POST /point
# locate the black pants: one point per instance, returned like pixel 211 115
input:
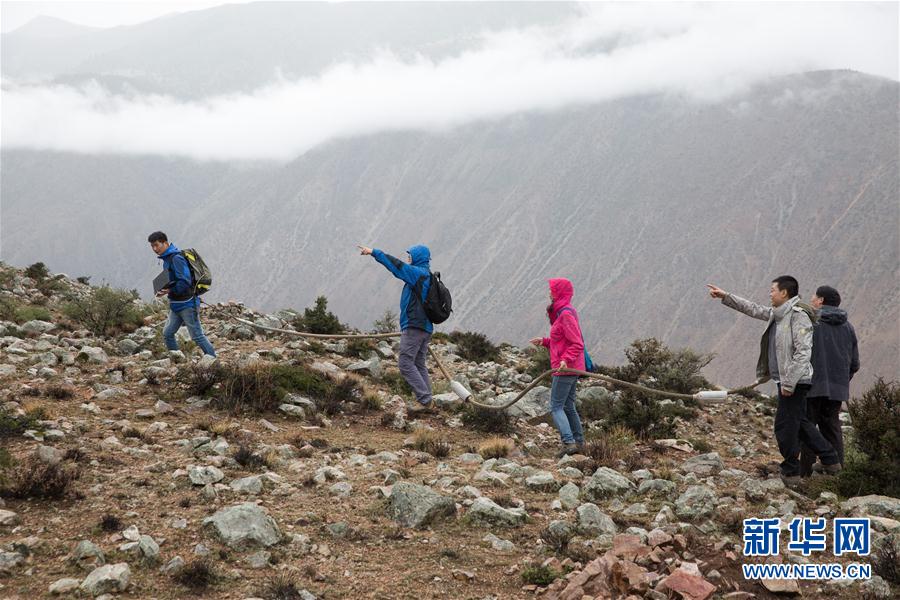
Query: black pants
pixel 826 415
pixel 793 427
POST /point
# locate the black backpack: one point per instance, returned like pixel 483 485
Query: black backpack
pixel 438 303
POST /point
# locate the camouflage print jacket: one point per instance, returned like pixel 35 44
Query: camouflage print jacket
pixel 793 344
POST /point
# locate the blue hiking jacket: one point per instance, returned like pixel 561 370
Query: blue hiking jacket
pixel 181 293
pixel 412 308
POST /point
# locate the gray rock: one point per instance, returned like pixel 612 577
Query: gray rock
pixel 66 585
pixel 292 410
pixel 173 566
pixel 485 511
pixel 414 505
pixel 88 555
pixel 302 401
pixel 534 404
pixel 561 529
pixel 568 496
pixel 149 550
pixel 8 518
pixel 876 587
pixel 753 489
pixel 37 326
pixel 542 481
pixel 9 561
pixel 205 475
pixel 872 505
pixel 498 544
pixel 244 526
pixel 342 489
pixel 247 485
pixel 696 502
pixel 605 483
pixel 662 487
pixel 372 367
pixel 93 355
pixel 703 465
pixel 128 346
pixel 259 560
pixel 107 579
pixel 590 520
pixel 7 370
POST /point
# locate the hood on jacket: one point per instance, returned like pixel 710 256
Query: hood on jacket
pixel 562 291
pixel 421 255
pixel 172 249
pixel 832 315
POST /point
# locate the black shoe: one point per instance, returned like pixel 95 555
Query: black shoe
pixel 832 469
pixel 790 481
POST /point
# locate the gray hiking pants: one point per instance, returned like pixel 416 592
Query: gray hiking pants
pixel 413 350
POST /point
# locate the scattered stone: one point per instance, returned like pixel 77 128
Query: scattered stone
pixel 604 483
pixel 500 545
pixel 704 465
pixel 485 511
pixel 8 518
pixel 205 475
pixel 689 586
pixel 592 521
pixel 88 555
pixel 107 579
pixel 244 526
pixel 696 502
pixel 568 496
pixel 542 482
pixel 414 505
pixel 64 586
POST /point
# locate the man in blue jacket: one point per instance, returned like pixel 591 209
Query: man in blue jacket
pixel 414 324
pixel 835 359
pixel 183 303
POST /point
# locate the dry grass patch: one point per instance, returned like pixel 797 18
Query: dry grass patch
pixel 496 447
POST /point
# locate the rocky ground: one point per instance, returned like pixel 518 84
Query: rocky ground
pixel 346 506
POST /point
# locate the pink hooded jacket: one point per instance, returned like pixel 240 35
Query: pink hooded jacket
pixel 565 341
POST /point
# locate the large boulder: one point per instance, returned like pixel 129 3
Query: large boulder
pixel 696 502
pixel 93 355
pixel 205 475
pixel 107 579
pixel 604 483
pixel 485 511
pixel 244 526
pixel 415 505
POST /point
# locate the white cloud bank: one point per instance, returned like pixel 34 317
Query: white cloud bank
pixel 704 51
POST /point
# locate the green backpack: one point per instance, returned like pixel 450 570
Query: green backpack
pixel 201 276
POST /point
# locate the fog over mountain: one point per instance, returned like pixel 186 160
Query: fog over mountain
pixel 641 187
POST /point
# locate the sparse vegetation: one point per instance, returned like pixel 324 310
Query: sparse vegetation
pixel 486 419
pixel 396 384
pixel 12 424
pixel 283 587
pixel 196 575
pixel 37 271
pixel 105 310
pixel 538 361
pixel 539 575
pixel 886 558
pixel 556 539
pixel 495 447
pixel 475 347
pixel 248 459
pixel 37 479
pixel 11 310
pixel 426 440
pixel 608 447
pixel 110 523
pixel 388 323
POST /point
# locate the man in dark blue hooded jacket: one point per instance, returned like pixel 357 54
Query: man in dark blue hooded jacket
pixel 415 326
pixel 835 359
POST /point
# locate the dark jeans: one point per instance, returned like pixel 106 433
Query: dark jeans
pixel 826 415
pixel 793 427
pixel 413 350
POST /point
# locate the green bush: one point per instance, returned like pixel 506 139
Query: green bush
pixel 105 310
pixel 539 575
pixel 652 364
pixel 10 310
pixel 38 271
pixel 396 384
pixel 486 419
pixel 872 458
pixel 360 348
pixel 388 323
pixel 475 347
pixel 12 424
pixel 318 319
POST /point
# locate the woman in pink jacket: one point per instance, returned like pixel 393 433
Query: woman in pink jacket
pixel 566 346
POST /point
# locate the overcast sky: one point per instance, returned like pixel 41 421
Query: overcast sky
pixel 705 52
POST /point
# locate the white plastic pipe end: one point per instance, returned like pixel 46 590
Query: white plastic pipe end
pixel 710 395
pixel 460 390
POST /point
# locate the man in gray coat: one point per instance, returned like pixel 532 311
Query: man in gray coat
pixel 835 359
pixel 784 356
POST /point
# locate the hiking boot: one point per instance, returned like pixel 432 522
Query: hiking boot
pixel 567 449
pixel 832 469
pixel 419 408
pixel 791 481
pixel 818 468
